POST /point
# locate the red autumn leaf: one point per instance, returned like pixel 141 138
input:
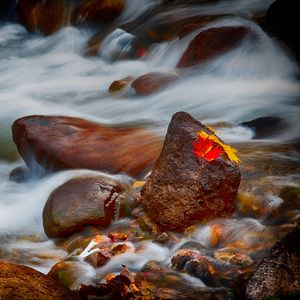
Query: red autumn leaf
pixel 207 149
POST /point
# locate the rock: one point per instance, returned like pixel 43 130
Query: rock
pixel 19 174
pixel 71 273
pixel 120 85
pixel 60 143
pixel 44 16
pixel 266 126
pixel 161 283
pixel 211 43
pixel 98 11
pixel 20 282
pixel 152 82
pixel 181 191
pixel 81 201
pixel 279 274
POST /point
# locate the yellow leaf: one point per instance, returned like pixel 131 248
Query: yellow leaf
pixel 230 151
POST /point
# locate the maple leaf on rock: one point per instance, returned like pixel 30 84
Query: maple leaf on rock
pixel 207 149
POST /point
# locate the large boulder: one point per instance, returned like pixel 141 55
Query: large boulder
pixel 98 11
pixel 60 143
pixel 81 201
pixel 211 43
pixel 45 17
pixel 20 282
pixel 278 276
pixel 153 82
pixel 182 189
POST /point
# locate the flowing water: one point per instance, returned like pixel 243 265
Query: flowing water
pixel 51 75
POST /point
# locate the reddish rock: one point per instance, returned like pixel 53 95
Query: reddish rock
pixel 152 82
pixel 181 191
pixel 99 11
pixel 60 143
pixel 20 282
pixel 211 43
pixel 90 200
pixel 46 16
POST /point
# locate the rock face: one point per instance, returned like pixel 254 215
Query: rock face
pixel 20 282
pixel 211 43
pixel 180 190
pixel 60 143
pixel 90 200
pixel 279 273
pixel 44 16
pixel 152 82
pixel 99 11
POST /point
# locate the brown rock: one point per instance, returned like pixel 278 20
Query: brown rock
pixel 99 11
pixel 59 143
pixel 152 82
pixel 180 190
pixel 120 85
pixel 90 200
pixel 44 16
pixel 211 43
pixel 20 282
pixel 71 273
pixel 279 273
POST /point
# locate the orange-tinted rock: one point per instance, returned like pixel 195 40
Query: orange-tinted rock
pixel 20 282
pixel 71 273
pixel 99 11
pixel 119 85
pixel 44 16
pixel 211 43
pixel 152 82
pixel 180 190
pixel 89 200
pixel 60 143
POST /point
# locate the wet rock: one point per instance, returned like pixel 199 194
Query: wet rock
pixel 211 43
pixel 98 11
pixel 90 200
pixel 161 283
pixel 19 174
pixel 44 16
pixel 279 273
pixel 120 85
pixel 60 143
pixel 234 257
pixel 179 192
pixel 152 82
pixel 20 282
pixel 71 273
pixel 266 126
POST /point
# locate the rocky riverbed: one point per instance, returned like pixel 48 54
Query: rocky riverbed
pixel 149 150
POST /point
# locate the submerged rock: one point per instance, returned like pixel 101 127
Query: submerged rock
pixel 152 82
pixel 266 126
pixel 60 143
pixel 98 11
pixel 211 43
pixel 46 16
pixel 20 282
pixel 120 85
pixel 181 191
pixel 279 273
pixel 81 201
